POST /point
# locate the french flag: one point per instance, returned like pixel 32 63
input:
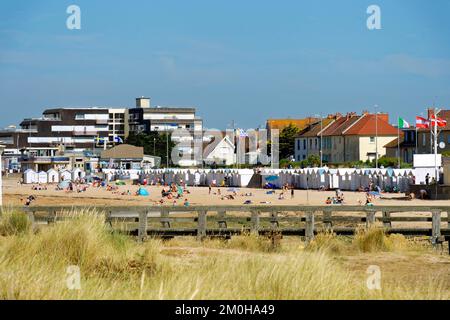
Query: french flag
pixel 422 123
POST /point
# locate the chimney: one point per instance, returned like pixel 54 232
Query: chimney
pixel 384 117
pixel 142 102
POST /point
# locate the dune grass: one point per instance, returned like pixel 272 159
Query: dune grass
pixel 13 223
pixel 33 265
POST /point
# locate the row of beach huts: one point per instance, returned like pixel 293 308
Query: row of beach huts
pixel 311 178
pixel 52 176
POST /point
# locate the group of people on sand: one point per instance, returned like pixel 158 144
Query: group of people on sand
pixel 174 192
pixel 38 187
pixel 337 199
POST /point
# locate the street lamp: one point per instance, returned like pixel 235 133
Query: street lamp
pixel 2 147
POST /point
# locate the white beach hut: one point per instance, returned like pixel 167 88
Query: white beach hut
pixel 42 177
pixel 78 174
pixel 52 176
pixel 334 178
pixel 65 175
pixel 30 176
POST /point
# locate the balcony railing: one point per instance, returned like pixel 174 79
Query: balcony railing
pixel 85 133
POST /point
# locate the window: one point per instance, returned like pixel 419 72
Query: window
pixel 372 139
pixel 304 144
pixel 310 143
pixel 79 116
pixel 424 140
pixel 315 143
pixel 448 138
pixel 298 144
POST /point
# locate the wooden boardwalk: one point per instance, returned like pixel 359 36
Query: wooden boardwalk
pixel 273 221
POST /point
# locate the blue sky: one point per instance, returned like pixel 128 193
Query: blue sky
pixel 234 60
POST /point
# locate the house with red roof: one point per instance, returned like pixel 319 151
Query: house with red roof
pixel 367 136
pixel 347 138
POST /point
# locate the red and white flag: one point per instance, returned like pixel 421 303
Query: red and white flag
pixel 439 121
pixel 422 123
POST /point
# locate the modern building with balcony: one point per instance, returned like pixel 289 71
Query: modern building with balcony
pixel 145 119
pixel 75 130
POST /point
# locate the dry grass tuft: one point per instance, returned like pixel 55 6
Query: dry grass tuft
pixel 13 223
pixel 371 240
pixel 251 242
pixel 329 242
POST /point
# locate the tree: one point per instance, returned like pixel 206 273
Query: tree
pixel 312 161
pixel 287 140
pixel 154 144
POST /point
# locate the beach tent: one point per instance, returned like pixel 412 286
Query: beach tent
pixel 30 176
pixel 65 175
pixel 52 176
pixel 143 192
pixel 42 177
pixel 120 183
pixel 64 184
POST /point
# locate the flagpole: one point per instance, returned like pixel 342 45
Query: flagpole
pixel 431 132
pixel 416 139
pixel 398 142
pixel 436 171
pixel 376 136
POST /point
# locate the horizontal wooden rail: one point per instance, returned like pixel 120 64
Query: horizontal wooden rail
pixel 305 221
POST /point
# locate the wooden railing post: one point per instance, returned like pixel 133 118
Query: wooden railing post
pixel 165 223
pixel 221 219
pixel 309 230
pixel 387 215
pixel 370 218
pixel 274 222
pixel 328 224
pixel 436 227
pixel 255 222
pixel 448 221
pixel 108 219
pixel 201 227
pixel 143 223
pixel 31 218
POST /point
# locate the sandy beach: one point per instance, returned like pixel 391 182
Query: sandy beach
pixel 15 194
